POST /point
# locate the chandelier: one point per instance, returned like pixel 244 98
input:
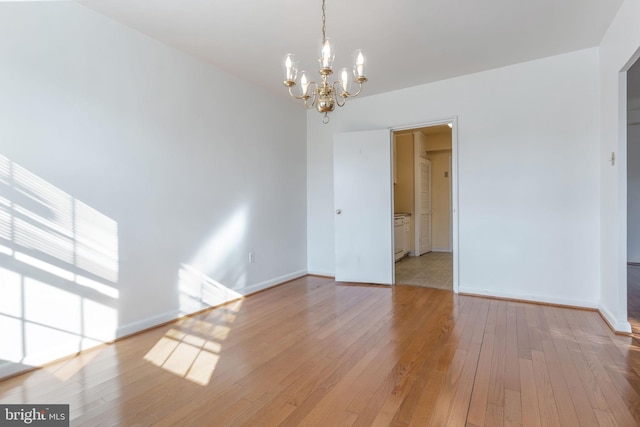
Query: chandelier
pixel 325 95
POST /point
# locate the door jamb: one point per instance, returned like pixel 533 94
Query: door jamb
pixel 623 178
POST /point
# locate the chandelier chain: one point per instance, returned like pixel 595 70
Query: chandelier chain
pixel 324 23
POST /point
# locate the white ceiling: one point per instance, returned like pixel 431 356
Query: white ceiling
pixel 407 42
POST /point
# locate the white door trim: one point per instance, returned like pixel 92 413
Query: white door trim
pixel 454 186
pixel 622 324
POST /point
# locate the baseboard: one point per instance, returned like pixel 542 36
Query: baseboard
pixel 270 283
pixel 147 323
pixel 322 273
pixel 527 297
pixel 441 250
pixel 9 369
pixel 170 316
pixel 618 326
pixel 322 276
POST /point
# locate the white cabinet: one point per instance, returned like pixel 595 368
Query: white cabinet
pixel 398 238
pixel 402 235
pixel 406 225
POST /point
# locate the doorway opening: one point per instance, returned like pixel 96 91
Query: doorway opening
pixel 633 197
pixel 423 205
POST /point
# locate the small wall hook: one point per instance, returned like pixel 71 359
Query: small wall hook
pixel 613 158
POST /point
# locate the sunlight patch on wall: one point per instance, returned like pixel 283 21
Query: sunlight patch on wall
pixel 39 216
pixel 11 348
pixel 218 257
pixel 198 291
pixel 96 242
pixel 58 270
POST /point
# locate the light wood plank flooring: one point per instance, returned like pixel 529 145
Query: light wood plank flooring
pixel 316 352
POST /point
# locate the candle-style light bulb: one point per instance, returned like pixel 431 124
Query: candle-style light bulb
pixel 345 80
pixel 359 64
pixel 304 83
pixel 327 53
pixel 290 68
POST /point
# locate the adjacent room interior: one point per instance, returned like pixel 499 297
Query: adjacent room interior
pixel 423 222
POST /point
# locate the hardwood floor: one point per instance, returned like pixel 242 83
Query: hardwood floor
pixel 313 352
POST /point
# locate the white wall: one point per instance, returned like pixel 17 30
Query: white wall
pixel 194 167
pixel 617 50
pixel 528 181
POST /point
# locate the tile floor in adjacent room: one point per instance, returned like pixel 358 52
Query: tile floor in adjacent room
pixel 432 270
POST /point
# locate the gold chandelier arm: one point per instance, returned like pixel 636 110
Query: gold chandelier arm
pixel 338 94
pixel 351 95
pixel 296 96
pixel 313 89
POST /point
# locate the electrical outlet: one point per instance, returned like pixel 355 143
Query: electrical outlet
pixel 252 257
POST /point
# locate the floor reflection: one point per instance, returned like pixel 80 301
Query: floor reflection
pixel 314 352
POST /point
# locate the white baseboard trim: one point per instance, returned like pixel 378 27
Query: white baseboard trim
pixel 150 322
pixel 528 297
pixel 441 250
pixel 147 323
pixel 622 326
pixel 322 273
pixel 10 368
pixel 270 283
pixel 618 325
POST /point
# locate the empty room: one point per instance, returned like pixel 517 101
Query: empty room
pixel 419 213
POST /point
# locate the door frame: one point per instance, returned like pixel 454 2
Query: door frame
pixel 621 161
pixel 454 186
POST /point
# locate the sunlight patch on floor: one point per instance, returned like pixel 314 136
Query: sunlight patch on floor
pixel 193 356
